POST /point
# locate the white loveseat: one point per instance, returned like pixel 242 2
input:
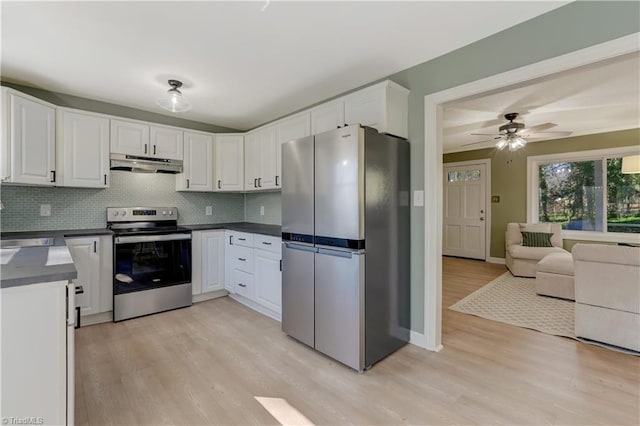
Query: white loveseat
pixel 522 261
pixel 607 280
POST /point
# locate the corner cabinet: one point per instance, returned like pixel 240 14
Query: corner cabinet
pixel 229 162
pixel 28 140
pixel 83 149
pixel 198 163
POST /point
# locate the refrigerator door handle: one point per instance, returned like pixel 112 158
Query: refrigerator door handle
pixel 301 247
pixel 337 253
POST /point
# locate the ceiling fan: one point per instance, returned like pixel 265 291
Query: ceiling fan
pixel 514 135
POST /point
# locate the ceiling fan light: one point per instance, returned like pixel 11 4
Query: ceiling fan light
pixel 501 144
pixel 173 100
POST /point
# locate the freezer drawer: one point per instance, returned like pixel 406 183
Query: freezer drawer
pixel 339 306
pixel 297 292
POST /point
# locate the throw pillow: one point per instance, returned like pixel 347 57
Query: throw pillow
pixel 536 239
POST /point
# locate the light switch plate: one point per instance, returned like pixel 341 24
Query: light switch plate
pixel 45 209
pixel 208 210
pixel 418 198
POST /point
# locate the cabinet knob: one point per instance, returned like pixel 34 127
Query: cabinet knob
pixel 242 285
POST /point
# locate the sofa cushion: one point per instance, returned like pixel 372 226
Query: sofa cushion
pixel 533 253
pixel 557 263
pixel 536 239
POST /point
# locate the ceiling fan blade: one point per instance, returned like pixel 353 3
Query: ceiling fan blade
pixel 547 134
pixel 476 143
pixel 484 134
pixel 537 128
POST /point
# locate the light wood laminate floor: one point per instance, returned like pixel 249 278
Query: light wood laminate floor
pixel 206 364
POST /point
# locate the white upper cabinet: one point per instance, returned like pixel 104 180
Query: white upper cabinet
pixel 384 107
pixel 251 161
pixel 298 126
pixel 268 148
pixel 166 142
pixel 198 163
pixel 130 138
pixel 229 161
pixel 83 149
pixel 260 159
pixel 28 140
pixel 327 117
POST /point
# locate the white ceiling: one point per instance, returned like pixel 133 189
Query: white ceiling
pixel 241 67
pixel 602 97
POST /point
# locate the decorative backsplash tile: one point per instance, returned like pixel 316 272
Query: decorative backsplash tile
pixel 272 209
pixel 77 208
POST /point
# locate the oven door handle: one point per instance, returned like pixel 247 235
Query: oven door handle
pixel 151 238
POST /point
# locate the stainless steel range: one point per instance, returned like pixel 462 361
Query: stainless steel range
pixel 151 261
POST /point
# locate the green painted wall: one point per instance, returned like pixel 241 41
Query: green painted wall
pixel 70 101
pixel 509 175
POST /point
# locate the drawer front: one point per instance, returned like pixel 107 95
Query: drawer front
pixel 241 258
pixel 268 243
pixel 241 239
pixel 243 283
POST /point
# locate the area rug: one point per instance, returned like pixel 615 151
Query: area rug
pixel 513 300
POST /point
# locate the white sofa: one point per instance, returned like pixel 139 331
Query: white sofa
pixel 522 261
pixel 607 280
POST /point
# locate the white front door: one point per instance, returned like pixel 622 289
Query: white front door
pixel 464 232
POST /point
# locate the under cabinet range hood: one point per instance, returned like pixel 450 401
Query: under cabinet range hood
pixel 136 164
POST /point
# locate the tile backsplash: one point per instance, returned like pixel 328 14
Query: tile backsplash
pixel 77 208
pixel 271 203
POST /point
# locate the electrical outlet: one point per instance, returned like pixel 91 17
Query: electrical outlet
pixel 261 210
pixel 45 209
pixel 418 198
pixel 208 210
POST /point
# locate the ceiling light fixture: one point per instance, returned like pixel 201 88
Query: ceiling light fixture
pixel 511 140
pixel 173 100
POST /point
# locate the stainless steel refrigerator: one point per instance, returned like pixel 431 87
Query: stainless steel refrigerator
pixel 345 230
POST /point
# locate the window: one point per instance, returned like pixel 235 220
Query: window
pixel 585 192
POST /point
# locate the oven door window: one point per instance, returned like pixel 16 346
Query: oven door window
pixel 146 265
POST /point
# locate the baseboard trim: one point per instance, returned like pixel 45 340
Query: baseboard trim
pixel 497 260
pixel 208 296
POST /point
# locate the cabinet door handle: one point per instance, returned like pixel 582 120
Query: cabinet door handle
pixel 53 175
pixel 242 259
pixel 277 184
pixel 259 182
pixel 145 148
pixel 154 150
pixel 187 183
pixel 219 184
pixel 230 237
pixel 266 243
pixel 95 246
pixel 255 183
pixel 280 265
pixel 105 179
pixel 242 285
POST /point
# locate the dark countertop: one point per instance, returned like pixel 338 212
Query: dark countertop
pixel 31 265
pixel 61 234
pixel 253 228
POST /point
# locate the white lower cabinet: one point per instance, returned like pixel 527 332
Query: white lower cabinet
pixel 253 271
pixel 92 257
pixel 208 261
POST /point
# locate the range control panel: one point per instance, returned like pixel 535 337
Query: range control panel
pixel 129 214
